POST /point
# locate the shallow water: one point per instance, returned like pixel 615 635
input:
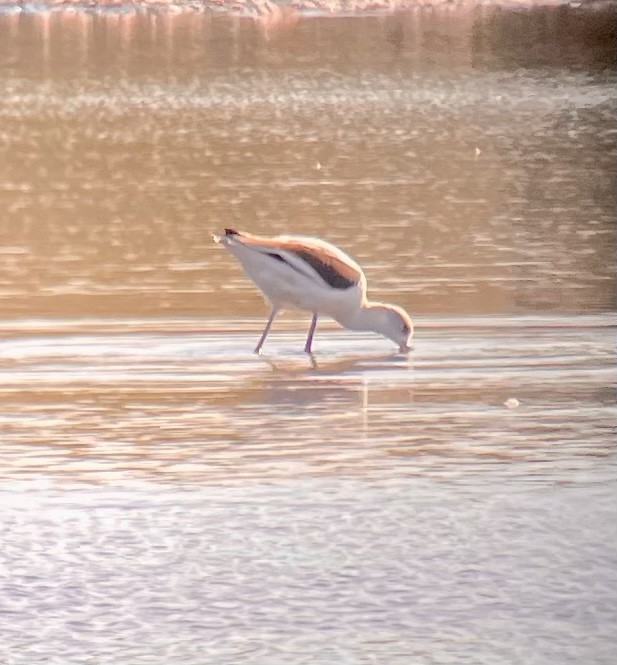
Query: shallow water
pixel 166 495
pixel 173 404
pixel 169 496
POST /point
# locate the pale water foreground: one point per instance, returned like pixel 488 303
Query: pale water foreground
pixel 168 497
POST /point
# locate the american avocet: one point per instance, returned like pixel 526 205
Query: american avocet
pixel 308 273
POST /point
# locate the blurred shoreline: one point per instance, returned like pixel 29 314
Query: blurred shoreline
pixel 257 8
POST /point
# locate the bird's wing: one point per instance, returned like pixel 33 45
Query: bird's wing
pixel 333 266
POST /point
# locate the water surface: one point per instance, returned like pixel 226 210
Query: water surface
pixel 166 495
pixel 462 177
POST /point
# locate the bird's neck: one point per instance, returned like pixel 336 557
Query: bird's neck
pixel 370 316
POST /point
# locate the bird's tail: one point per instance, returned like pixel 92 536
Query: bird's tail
pixel 224 239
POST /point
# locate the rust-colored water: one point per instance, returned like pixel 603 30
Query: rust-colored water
pixel 169 497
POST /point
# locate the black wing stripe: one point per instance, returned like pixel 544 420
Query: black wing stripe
pixel 278 257
pixel 327 272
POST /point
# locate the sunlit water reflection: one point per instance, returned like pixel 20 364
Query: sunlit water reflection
pixel 454 505
pixel 463 179
pixel 168 497
pixel 179 405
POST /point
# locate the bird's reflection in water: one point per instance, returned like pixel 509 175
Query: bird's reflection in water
pixel 311 363
pixel 334 388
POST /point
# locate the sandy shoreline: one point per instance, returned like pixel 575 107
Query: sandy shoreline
pixel 265 7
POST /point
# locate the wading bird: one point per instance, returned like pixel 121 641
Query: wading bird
pixel 310 274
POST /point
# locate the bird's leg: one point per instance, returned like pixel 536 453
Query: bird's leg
pixel 311 332
pixel 264 334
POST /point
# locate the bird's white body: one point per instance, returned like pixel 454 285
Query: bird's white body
pixel 301 288
pixel 311 274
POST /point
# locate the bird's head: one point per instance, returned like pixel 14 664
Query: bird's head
pixel 394 323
